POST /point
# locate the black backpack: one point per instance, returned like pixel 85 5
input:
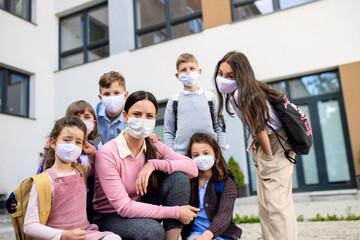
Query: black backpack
pixel 208 96
pixel 296 126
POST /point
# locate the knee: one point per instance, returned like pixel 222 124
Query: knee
pixel 180 178
pixel 157 232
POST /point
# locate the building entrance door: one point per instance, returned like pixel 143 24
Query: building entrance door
pixel 329 164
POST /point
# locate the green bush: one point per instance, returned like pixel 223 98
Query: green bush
pixel 233 166
pixel 246 219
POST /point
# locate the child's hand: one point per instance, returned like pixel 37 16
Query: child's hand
pixel 187 214
pixel 11 205
pixel 47 145
pixel 207 235
pixel 75 234
pixel 88 149
pixel 154 138
pixel 142 179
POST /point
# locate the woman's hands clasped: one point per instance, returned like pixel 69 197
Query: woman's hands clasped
pixel 142 179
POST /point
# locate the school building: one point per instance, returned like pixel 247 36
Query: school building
pixel 53 52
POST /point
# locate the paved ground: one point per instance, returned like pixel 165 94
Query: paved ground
pixel 308 204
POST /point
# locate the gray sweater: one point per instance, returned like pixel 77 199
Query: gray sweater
pixel 193 115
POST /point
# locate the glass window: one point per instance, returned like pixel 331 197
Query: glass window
pixel 334 143
pixel 159 127
pixel 149 12
pixel 72 60
pixel 291 3
pixel 14 93
pixel 314 85
pixel 183 7
pixel 243 10
pixel 99 25
pixel 186 28
pixel 21 8
pixel 152 38
pixel 84 36
pixel 98 53
pixel 17 94
pixel 280 86
pixel 71 33
pixel 160 20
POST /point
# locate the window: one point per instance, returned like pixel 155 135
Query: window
pixel 84 36
pixel 14 93
pixel 21 8
pixel 159 127
pixel 242 9
pixel 160 20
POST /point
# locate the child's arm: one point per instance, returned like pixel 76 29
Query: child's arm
pixel 224 214
pixel 264 142
pixel 173 162
pixel 90 151
pixel 32 226
pixel 169 124
pixel 11 203
pixel 218 130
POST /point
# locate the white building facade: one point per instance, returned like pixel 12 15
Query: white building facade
pixel 56 56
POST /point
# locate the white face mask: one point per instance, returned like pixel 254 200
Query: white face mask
pixel 189 79
pixel 113 104
pixel 225 85
pixel 68 152
pixel 89 127
pixel 139 127
pixel 204 163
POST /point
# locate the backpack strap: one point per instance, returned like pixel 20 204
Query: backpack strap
pixel 286 151
pixel 81 169
pixel 175 98
pixel 209 97
pixel 42 183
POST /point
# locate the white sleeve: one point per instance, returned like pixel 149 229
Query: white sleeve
pixel 32 226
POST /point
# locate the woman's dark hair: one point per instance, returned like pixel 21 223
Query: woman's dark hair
pixel 252 94
pixel 219 169
pixel 60 124
pixel 79 107
pixel 151 151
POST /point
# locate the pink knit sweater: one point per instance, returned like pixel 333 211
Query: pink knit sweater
pixel 116 176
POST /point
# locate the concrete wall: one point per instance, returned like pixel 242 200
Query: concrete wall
pixel 32 49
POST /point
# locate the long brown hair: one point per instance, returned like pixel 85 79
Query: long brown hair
pixel 151 151
pixel 60 124
pixel 252 94
pixel 79 107
pixel 219 169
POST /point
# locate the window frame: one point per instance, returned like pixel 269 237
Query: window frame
pixel 7 9
pixel 86 46
pixel 3 107
pixel 168 24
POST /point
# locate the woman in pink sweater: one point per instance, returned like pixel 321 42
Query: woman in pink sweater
pixel 138 182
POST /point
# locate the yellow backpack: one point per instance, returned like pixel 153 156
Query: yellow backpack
pixel 22 194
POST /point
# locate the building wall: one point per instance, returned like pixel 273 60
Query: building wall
pixel 32 49
pixel 292 42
